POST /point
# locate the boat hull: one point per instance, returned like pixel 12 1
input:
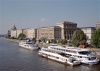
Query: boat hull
pixel 91 62
pixel 57 59
pixel 28 47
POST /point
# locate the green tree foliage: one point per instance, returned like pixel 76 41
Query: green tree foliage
pixel 86 45
pixel 34 39
pixel 43 39
pixel 13 37
pixel 21 36
pixel 62 41
pixel 78 37
pixel 53 41
pixel 96 38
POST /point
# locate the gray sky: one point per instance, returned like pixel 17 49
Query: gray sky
pixel 34 13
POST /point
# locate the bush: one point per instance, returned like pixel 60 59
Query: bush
pixel 13 37
pixel 86 45
pixel 53 41
pixel 43 39
pixel 34 39
pixel 62 41
pixel 21 36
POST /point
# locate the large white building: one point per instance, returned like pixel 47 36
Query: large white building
pixel 88 31
pixel 67 29
pixel 51 32
pixel 15 33
pixel 29 32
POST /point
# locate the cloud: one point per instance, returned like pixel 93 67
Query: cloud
pixel 44 20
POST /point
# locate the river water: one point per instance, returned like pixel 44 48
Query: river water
pixel 15 58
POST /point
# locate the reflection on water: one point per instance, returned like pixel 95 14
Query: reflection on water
pixel 15 58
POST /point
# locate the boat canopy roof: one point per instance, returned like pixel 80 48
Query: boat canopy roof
pixel 77 49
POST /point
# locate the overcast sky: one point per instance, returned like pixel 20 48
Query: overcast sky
pixel 37 13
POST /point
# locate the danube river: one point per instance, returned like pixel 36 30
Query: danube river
pixel 15 58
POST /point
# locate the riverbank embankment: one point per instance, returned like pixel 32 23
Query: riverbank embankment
pixel 40 45
pixel 13 40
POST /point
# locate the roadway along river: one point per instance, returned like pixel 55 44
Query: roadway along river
pixel 15 58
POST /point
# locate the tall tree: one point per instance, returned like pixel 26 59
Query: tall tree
pixel 78 37
pixel 96 38
pixel 21 36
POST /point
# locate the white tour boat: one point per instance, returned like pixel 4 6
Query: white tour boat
pixel 28 45
pixel 58 57
pixel 83 55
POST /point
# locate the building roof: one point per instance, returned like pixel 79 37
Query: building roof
pixel 49 27
pixel 87 27
pixel 14 28
pixel 71 48
pixel 98 22
pixel 66 22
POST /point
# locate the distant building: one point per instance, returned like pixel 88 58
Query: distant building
pixel 9 33
pixel 88 31
pixel 14 28
pixel 63 30
pixel 29 32
pixel 52 32
pixel 15 33
pixel 98 25
pixel 67 29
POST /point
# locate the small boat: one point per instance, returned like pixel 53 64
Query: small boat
pixel 28 45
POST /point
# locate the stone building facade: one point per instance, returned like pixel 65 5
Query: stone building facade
pixel 67 29
pixel 53 32
pixel 30 33
pixel 98 25
pixel 88 31
pixel 63 30
pixel 15 33
pixel 9 31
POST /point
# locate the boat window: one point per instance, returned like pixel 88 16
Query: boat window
pixel 71 51
pixel 80 56
pixel 67 51
pixel 53 45
pixel 84 52
pixel 57 57
pixel 92 58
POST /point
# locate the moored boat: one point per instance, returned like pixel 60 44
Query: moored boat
pixel 83 55
pixel 58 57
pixel 28 45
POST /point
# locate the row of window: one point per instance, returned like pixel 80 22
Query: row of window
pixel 70 26
pixel 69 32
pixel 64 50
pixel 50 55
